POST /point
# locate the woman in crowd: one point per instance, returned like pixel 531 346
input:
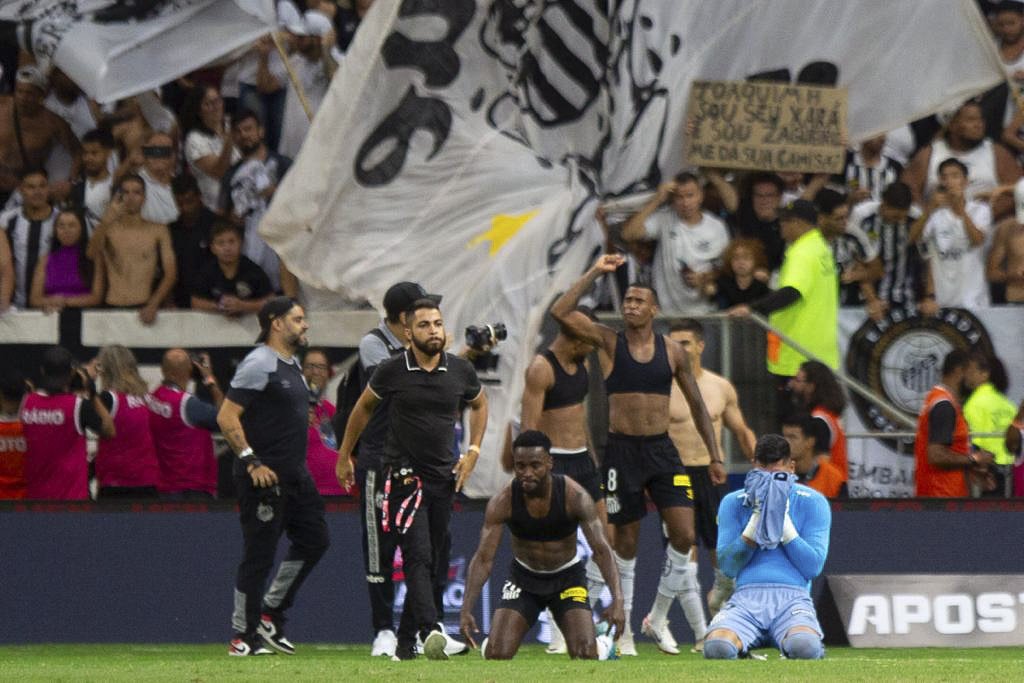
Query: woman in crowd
pixel 208 146
pixel 66 277
pixel 126 464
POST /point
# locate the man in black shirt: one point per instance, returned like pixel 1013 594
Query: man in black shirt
pixel 233 284
pixel 425 388
pixel 190 235
pixel 265 420
pixel 385 341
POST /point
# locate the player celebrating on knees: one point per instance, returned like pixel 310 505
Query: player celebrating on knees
pixel 773 538
pixel 639 367
pixel 543 512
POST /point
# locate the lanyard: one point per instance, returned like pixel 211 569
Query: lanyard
pixel 415 497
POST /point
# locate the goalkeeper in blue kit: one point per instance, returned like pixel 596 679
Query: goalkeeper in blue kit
pixel 773 539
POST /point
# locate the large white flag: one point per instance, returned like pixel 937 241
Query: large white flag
pixel 463 142
pixel 116 49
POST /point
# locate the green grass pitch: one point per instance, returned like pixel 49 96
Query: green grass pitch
pixel 196 663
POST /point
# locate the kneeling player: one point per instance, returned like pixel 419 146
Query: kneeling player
pixel 543 512
pixel 773 539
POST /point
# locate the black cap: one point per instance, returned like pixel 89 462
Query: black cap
pixel 1008 6
pixel 800 209
pixel 274 308
pixel 402 295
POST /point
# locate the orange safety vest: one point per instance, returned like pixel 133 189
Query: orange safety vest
pixel 837 444
pixel 938 482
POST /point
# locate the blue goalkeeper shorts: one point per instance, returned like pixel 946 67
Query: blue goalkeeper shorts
pixel 762 614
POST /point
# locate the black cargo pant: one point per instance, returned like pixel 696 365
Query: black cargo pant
pixel 295 508
pixel 426 545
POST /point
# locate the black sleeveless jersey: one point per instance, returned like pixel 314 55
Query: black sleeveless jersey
pixel 554 526
pixel 568 390
pixel 629 376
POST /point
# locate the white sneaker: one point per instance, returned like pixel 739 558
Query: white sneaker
pixel 434 646
pixel 452 647
pixel 625 645
pixel 557 645
pixel 661 636
pixel 384 644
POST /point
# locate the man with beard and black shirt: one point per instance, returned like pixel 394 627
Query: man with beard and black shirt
pixel 265 421
pixel 385 341
pixel 190 235
pixel 425 388
pixel 248 187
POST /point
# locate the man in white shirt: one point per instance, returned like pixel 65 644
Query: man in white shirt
pixel 955 231
pixel 690 242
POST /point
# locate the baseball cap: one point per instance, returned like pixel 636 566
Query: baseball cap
pixel 274 308
pixel 800 209
pixel 400 296
pixel 33 76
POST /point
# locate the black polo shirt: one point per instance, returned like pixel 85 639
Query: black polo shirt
pixel 275 397
pixel 422 410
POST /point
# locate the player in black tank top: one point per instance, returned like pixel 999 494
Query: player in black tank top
pixel 546 572
pixel 554 526
pixel 640 459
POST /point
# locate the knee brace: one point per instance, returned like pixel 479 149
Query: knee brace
pixel 803 645
pixel 719 648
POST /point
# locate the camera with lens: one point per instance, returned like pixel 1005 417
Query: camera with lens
pixel 484 337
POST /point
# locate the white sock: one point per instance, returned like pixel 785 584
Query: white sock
pixel 595 582
pixel 689 600
pixel 671 584
pixel 627 569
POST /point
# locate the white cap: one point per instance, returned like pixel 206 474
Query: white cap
pixel 1018 199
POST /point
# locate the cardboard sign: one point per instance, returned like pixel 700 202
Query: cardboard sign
pixel 767 126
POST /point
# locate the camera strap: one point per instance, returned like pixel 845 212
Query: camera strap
pixel 415 498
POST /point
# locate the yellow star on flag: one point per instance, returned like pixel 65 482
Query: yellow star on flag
pixel 503 228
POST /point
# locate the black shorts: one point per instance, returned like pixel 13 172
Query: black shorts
pixel 529 592
pixel 706 498
pixel 581 468
pixel 633 464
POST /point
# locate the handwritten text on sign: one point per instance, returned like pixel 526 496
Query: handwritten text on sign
pixel 767 126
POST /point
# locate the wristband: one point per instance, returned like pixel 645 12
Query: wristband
pixel 473 449
pixel 249 458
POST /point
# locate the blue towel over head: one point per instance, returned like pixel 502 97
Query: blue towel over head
pixel 771 490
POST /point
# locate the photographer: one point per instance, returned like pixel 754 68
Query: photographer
pixel 425 388
pixel 54 419
pixel 181 424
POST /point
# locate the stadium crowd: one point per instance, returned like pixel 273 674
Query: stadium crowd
pixel 153 203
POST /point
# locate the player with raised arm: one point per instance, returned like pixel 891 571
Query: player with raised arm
pixel 639 368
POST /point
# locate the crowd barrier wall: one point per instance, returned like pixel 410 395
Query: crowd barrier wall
pixel 163 572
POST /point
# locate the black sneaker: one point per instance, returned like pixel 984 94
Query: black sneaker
pixel 247 646
pixel 271 629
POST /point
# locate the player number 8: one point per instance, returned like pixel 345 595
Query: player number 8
pixel 612 479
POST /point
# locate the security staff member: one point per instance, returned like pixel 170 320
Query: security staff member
pixel 265 420
pixel 385 341
pixel 425 388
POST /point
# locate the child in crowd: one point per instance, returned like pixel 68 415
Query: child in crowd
pixel 66 277
pixel 743 276
pixel 234 284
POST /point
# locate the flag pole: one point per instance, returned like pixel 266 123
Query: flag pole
pixel 292 75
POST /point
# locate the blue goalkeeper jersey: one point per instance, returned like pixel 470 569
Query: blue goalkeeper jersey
pixel 793 564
